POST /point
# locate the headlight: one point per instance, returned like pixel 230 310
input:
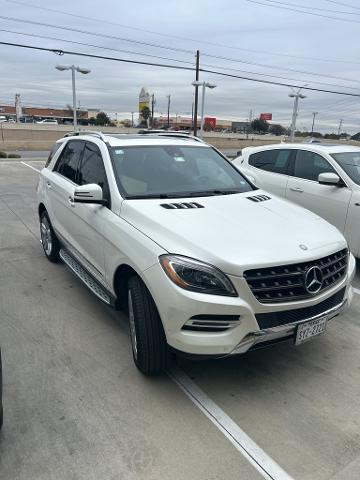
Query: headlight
pixel 196 276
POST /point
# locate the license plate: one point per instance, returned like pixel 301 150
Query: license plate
pixel 310 329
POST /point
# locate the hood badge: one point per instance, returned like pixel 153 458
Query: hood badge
pixel 303 247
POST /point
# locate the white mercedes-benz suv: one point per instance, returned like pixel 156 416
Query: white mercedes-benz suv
pixel 205 263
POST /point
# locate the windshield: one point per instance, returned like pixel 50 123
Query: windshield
pixel 172 171
pixel 350 163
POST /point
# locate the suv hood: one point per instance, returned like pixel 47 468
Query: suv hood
pixel 233 232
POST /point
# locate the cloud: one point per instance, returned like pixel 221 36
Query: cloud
pixel 114 87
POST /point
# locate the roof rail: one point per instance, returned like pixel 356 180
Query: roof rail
pixel 87 132
pixel 185 136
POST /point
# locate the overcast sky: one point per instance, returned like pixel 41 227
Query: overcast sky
pixel 264 37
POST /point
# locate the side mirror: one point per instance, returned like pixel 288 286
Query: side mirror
pixel 329 178
pixel 91 193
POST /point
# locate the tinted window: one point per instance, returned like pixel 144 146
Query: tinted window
pixel 175 170
pixel 92 168
pixel 54 149
pixel 69 161
pixel 350 162
pixel 309 165
pixel 276 161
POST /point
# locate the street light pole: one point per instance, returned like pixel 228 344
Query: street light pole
pixel 197 74
pixel 73 68
pixel 168 111
pixel 312 126
pixel 296 97
pixel 204 85
pixel 74 96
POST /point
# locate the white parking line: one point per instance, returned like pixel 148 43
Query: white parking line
pixel 30 166
pixel 356 290
pixel 264 464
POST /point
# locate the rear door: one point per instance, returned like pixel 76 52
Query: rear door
pixel 328 201
pixel 60 189
pixel 270 169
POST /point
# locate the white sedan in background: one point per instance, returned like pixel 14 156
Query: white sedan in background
pixel 322 178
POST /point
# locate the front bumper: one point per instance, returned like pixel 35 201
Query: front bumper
pixel 176 306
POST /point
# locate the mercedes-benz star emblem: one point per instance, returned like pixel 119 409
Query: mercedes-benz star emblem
pixel 313 280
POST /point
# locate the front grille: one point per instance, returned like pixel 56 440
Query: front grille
pixel 211 323
pixel 275 319
pixel 287 282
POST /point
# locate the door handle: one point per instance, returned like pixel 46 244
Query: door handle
pixel 296 189
pixel 71 202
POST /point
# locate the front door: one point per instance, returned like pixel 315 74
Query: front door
pixel 329 201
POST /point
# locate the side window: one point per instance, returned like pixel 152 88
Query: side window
pixel 92 169
pixel 68 163
pixel 54 149
pixel 309 165
pixel 276 161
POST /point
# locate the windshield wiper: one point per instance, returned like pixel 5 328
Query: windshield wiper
pixel 208 193
pixel 203 193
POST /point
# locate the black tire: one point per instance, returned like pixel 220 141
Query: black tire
pixel 50 243
pixel 150 349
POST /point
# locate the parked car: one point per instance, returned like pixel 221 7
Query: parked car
pixel 322 178
pixel 3 119
pixel 206 264
pixel 47 121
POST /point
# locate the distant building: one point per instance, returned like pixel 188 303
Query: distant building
pixel 240 127
pixel 36 113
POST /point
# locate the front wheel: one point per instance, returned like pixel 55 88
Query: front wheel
pixel 49 240
pixel 149 346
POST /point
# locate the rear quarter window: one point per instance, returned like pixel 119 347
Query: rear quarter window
pixel 276 161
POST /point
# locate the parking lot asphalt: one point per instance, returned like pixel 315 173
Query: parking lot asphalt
pixel 77 408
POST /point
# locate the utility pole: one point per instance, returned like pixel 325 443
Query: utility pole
pixel 340 125
pixel 296 97
pixel 132 119
pixel 312 126
pixel 168 111
pixel 153 102
pixel 196 101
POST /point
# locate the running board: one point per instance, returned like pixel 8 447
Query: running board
pixel 85 277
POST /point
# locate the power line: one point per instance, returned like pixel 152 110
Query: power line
pixel 277 67
pixel 197 41
pixel 175 49
pixel 277 76
pixel 175 67
pixel 46 37
pixel 343 4
pixel 306 7
pixel 303 11
pixel 112 37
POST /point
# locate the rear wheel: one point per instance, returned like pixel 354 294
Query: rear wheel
pixel 49 240
pixel 149 346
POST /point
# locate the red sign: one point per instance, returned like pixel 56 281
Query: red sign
pixel 211 121
pixel 265 116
